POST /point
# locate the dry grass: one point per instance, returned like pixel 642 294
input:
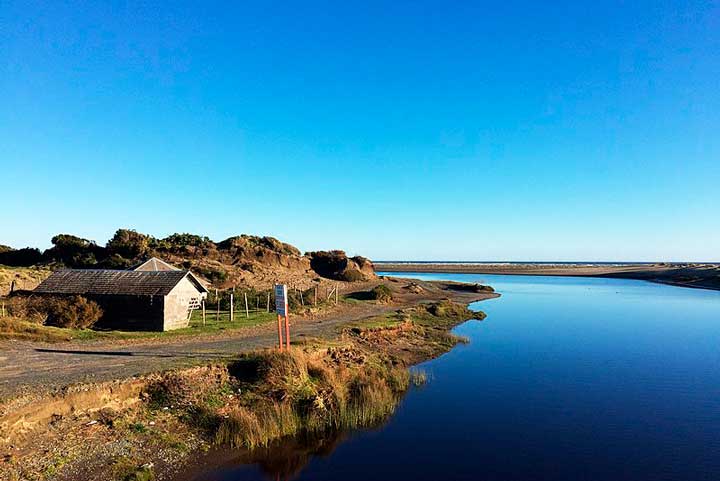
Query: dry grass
pixel 25 277
pixel 306 395
pixel 269 395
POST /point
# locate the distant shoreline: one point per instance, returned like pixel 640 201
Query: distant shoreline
pixel 699 276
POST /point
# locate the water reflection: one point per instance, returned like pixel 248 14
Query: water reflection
pixel 282 460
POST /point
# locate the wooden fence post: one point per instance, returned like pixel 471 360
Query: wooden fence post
pixel 247 311
pixel 217 313
pixel 268 302
pixel 232 307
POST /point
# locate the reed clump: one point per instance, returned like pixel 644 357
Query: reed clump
pixel 269 395
pixel 297 392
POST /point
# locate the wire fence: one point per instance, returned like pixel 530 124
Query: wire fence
pixel 247 301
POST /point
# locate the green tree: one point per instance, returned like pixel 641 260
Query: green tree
pixel 128 244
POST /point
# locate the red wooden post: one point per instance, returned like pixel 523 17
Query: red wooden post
pixel 287 331
pixel 280 339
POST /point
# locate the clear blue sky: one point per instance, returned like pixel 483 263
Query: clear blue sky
pixel 397 130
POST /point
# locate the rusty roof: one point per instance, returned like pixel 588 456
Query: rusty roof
pixel 112 282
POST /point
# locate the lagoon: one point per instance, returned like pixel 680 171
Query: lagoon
pixel 567 378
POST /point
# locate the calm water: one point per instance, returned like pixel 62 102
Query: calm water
pixel 567 379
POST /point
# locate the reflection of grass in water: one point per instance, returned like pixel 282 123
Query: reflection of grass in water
pixel 287 458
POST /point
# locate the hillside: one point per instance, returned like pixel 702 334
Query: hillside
pixel 24 277
pixel 244 260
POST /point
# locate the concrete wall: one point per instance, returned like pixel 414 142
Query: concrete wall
pixel 177 303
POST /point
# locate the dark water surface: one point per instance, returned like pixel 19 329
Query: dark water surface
pixel 567 379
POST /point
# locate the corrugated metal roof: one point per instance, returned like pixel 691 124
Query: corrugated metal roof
pixel 109 282
pixel 155 264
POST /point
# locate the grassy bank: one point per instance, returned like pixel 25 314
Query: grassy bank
pixel 320 386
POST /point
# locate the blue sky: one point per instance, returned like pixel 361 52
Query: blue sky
pixel 397 130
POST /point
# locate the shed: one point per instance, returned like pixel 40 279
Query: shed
pixel 133 300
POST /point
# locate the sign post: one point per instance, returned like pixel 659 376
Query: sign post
pixel 281 307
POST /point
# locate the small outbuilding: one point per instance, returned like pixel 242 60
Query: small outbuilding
pixel 157 300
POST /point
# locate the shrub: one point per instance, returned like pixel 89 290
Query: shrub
pixel 115 261
pixel 175 241
pixel 453 310
pixel 328 264
pixel 381 293
pixel 352 275
pixel 74 312
pixel 74 251
pixel 128 244
pixel 214 275
pixel 25 257
pixel 254 242
pixel 464 287
pixel 31 309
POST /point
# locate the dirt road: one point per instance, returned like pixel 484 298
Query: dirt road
pixel 31 366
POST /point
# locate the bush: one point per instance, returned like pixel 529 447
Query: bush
pixel 336 265
pixel 453 310
pixel 74 251
pixel 129 244
pixel 328 264
pixel 74 312
pixel 464 287
pixel 352 275
pixel 214 275
pixel 25 257
pixel 115 261
pixel 30 308
pixel 176 241
pixel 381 293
